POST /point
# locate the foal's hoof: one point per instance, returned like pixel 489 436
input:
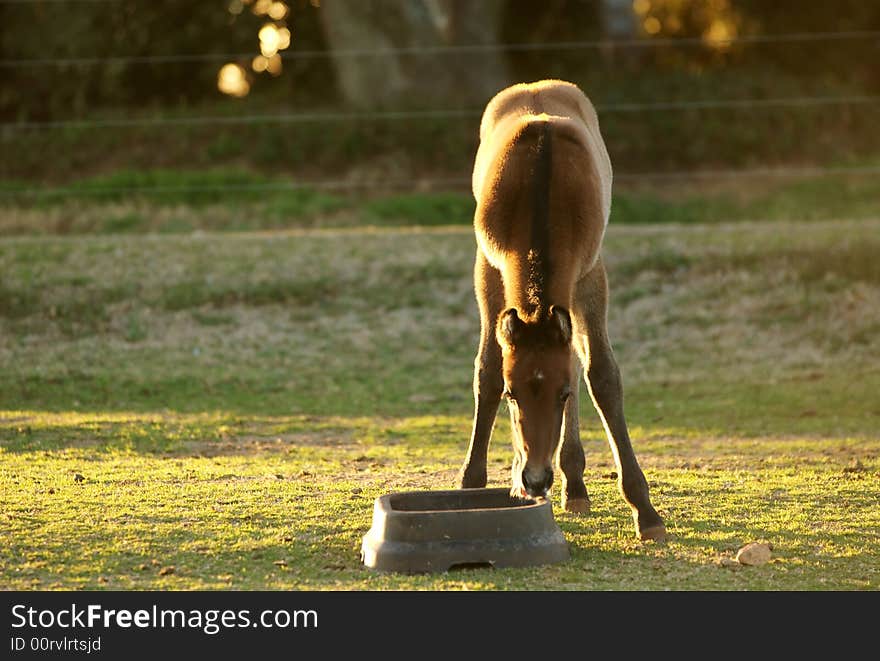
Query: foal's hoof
pixel 656 532
pixel 576 505
pixel 649 525
pixel 518 493
pixel 473 479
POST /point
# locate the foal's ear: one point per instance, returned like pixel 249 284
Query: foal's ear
pixel 509 328
pixel 561 320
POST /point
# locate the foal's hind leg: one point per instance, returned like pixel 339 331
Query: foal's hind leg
pixel 488 380
pixel 571 452
pixel 603 379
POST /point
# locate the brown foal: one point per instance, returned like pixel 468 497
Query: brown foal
pixel 542 182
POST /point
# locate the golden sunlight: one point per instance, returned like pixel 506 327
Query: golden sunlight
pixel 273 39
pixel 277 11
pixel 716 21
pixel 273 65
pixel 283 38
pixel 260 63
pixel 641 7
pixel 232 80
pixel 270 40
pixel 719 33
pixel 652 25
pixel 261 7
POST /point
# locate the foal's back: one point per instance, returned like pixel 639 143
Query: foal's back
pixel 552 121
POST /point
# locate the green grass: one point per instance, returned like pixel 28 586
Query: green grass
pixel 187 201
pixel 802 198
pixel 234 402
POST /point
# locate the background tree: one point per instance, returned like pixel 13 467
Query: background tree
pixel 375 78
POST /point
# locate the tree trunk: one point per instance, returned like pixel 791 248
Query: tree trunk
pixel 619 22
pixel 618 19
pixel 389 53
pixel 481 73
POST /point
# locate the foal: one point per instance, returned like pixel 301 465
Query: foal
pixel 542 182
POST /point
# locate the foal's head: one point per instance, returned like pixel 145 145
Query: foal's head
pixel 537 383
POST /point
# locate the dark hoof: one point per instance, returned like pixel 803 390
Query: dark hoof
pixel 655 532
pixel 576 505
pixel 649 524
pixel 471 479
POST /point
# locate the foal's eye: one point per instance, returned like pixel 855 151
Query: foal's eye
pixel 564 395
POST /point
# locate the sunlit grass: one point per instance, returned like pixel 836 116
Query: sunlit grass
pixel 283 503
pixel 230 405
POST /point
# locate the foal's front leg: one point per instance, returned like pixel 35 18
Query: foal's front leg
pixel 488 379
pixel 571 452
pixel 606 390
pixel 488 386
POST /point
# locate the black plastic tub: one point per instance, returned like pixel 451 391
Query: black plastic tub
pixel 435 531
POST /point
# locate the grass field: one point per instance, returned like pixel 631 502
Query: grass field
pixel 219 410
pixel 175 201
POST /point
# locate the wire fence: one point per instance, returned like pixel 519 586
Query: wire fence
pixel 394 115
pixel 797 102
pixel 465 49
pixel 426 184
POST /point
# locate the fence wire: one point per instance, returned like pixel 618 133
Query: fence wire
pixel 465 49
pixel 423 184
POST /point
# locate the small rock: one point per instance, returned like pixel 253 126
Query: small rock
pixel 142 567
pixel 279 476
pixel 727 562
pixel 103 579
pixel 51 491
pixel 280 563
pixel 287 538
pixel 78 478
pixel 754 553
pixel 165 571
pixel 357 490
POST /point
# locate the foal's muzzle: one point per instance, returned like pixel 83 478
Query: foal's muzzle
pixel 537 482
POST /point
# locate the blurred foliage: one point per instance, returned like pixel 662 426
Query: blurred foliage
pixel 572 20
pixel 642 141
pixel 68 31
pixel 58 30
pixel 379 151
